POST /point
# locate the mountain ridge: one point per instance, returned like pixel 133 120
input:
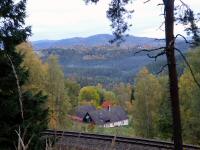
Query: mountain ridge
pixel 94 60
pixel 94 41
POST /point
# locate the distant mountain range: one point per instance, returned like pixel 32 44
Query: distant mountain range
pixel 95 60
pixel 95 41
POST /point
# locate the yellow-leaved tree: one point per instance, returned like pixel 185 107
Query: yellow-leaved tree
pixel 189 98
pixel 49 78
pixel 147 98
pixel 58 100
pixel 36 68
pixel 89 95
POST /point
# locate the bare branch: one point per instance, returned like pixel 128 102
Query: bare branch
pixel 18 85
pixel 25 131
pixel 21 142
pixel 29 141
pixel 92 1
pixel 187 63
pixel 157 55
pixel 149 50
pixel 162 68
pixel 147 1
pixel 160 4
pixel 186 41
pixel 184 4
pixel 160 27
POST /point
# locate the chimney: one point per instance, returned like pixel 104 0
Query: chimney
pixel 109 107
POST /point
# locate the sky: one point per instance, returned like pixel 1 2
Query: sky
pixel 60 19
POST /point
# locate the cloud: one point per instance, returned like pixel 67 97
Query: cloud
pixel 63 18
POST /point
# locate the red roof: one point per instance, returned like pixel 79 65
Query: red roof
pixel 75 118
pixel 106 104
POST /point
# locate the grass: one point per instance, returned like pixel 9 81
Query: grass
pixel 127 131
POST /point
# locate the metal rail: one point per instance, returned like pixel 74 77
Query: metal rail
pixel 117 139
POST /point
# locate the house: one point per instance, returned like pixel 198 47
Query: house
pixel 110 117
pixel 81 111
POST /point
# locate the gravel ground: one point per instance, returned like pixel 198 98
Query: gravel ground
pixel 91 144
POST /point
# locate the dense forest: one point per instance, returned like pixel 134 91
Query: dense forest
pixel 149 111
pixel 98 63
pixel 41 89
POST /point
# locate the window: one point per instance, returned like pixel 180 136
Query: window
pixel 107 120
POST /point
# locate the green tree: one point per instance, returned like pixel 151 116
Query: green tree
pixel 72 89
pixel 123 94
pixel 106 95
pixel 89 94
pixel 190 104
pixel 164 111
pixel 36 68
pixel 189 19
pixel 110 96
pixel 58 100
pixel 101 91
pixel 193 57
pixel 18 109
pixel 35 118
pixel 147 98
pixel 190 108
pixel 118 13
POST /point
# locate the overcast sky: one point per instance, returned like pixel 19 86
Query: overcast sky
pixel 59 19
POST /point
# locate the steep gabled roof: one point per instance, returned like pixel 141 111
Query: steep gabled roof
pixel 103 116
pixel 82 110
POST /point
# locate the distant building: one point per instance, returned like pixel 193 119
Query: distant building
pixel 107 117
pixel 110 117
pixel 82 110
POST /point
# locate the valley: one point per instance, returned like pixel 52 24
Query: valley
pixel 94 60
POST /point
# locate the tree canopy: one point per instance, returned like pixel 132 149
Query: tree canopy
pixel 20 110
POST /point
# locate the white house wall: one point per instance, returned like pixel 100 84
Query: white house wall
pixel 116 124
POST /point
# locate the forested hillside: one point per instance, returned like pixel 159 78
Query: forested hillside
pixel 145 101
pixel 94 60
pixel 109 84
pixel 95 41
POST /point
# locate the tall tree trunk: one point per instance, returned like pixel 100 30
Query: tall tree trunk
pixel 173 80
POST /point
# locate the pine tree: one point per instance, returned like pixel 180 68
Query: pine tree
pixel 30 117
pixel 117 13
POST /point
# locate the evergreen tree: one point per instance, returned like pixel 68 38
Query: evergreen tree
pixel 30 117
pixel 189 19
pixel 164 113
pixel 35 118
